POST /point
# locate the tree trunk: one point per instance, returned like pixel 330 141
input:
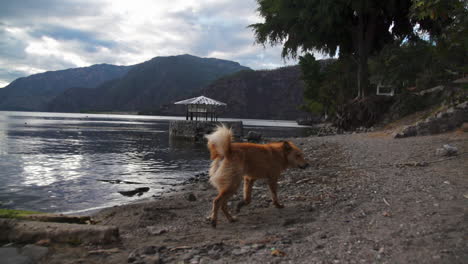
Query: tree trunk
pixel 362 59
pixel 366 34
pixel 363 79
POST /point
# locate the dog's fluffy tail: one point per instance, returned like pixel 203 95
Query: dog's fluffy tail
pixel 219 142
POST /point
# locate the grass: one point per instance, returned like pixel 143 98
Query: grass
pixel 10 213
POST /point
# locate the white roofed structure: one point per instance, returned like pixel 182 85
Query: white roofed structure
pixel 202 107
pixel 200 100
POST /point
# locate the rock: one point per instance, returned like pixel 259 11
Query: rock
pixel 240 251
pixel 43 242
pixel 104 251
pixel 34 252
pixel 205 260
pixel 213 253
pixel 156 259
pixel 190 197
pixel 187 256
pixel 145 255
pixel 195 260
pixel 447 150
pixel 11 256
pixel 289 222
pixel 258 246
pixel 138 191
pixel 149 250
pixel 154 230
pixel 253 136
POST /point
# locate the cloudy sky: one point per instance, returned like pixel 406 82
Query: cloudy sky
pixel 44 35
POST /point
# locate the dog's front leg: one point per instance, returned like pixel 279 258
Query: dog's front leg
pixel 273 184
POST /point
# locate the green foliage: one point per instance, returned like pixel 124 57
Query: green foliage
pixel 419 64
pixel 436 17
pixel 328 83
pixel 357 28
pixel 361 28
pixel 305 25
pixel 10 213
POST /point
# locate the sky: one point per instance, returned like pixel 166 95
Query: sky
pixel 45 35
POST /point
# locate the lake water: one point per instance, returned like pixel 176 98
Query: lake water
pixel 57 162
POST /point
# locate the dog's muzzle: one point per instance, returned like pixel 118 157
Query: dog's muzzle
pixel 304 166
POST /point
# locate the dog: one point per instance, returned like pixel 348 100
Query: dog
pixel 232 162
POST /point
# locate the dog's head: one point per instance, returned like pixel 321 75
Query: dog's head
pixel 294 156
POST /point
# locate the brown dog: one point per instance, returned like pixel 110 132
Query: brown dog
pixel 234 161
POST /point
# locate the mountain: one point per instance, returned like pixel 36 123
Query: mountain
pixel 264 94
pixel 34 93
pixel 148 85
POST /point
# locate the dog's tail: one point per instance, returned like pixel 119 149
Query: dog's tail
pixel 219 142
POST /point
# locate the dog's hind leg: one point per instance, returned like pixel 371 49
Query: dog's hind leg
pixel 273 184
pixel 248 184
pixel 217 204
pixel 225 210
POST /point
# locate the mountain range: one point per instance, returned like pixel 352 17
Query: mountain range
pixel 154 85
pixel 263 94
pixel 148 85
pixel 35 92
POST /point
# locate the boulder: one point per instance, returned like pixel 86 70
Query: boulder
pixel 11 255
pixel 134 192
pixel 447 150
pixel 34 252
pixel 253 136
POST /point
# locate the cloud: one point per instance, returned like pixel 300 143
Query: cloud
pixel 42 35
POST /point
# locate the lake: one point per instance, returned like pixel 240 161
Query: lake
pixel 61 162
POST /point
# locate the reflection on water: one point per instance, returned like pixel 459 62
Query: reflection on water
pixel 54 162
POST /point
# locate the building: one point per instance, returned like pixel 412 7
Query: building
pixel 201 108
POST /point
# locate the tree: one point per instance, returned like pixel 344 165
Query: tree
pixel 446 22
pixel 351 28
pixel 328 84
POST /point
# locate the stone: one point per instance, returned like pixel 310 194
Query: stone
pixel 187 256
pixel 103 251
pixel 447 150
pixel 240 251
pixel 149 250
pixel 253 136
pixel 11 255
pixel 289 222
pixel 145 255
pixel 34 252
pixel 190 197
pixel 137 191
pixel 156 259
pixel 43 242
pixel 154 230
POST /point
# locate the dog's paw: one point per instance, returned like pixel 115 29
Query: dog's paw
pixel 233 219
pixel 213 223
pixel 240 205
pixel 279 206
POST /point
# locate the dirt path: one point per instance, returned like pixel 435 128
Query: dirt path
pixel 366 199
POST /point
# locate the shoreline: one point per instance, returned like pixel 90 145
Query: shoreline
pixel 180 187
pixel 350 206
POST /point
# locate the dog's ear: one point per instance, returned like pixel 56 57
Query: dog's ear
pixel 286 146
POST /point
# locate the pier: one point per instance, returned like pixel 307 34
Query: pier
pixel 196 130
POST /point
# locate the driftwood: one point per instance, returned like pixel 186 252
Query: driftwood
pixel 362 112
pixel 31 231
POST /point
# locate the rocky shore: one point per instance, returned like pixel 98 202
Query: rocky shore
pixel 367 198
